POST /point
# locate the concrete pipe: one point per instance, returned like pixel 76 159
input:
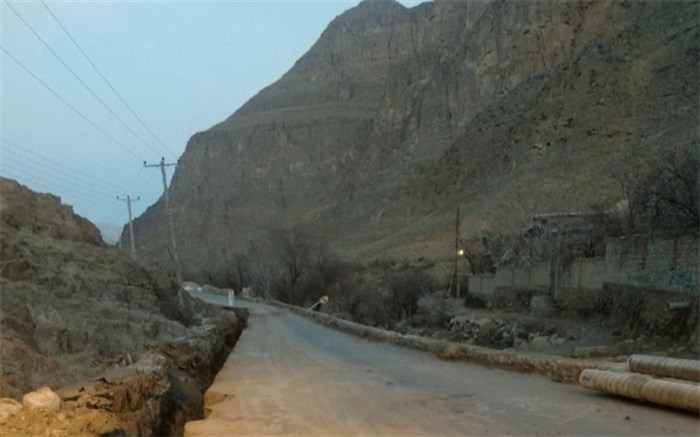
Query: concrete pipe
pixel 665 367
pixel 676 394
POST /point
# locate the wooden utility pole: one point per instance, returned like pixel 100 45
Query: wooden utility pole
pixel 128 201
pixel 457 255
pixel 458 252
pixel 169 213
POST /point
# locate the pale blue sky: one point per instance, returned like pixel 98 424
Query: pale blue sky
pixel 181 66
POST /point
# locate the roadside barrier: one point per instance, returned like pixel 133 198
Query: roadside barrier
pixel 556 368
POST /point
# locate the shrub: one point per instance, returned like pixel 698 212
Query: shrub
pixel 406 287
pixel 371 309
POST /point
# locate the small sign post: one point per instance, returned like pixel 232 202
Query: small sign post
pixel 322 301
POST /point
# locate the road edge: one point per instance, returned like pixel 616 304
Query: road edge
pixel 557 368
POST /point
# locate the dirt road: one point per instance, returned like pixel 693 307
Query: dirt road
pixel 288 375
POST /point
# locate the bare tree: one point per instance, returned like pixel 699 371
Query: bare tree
pixel 477 256
pixel 294 252
pixel 238 272
pixel 673 189
pixel 665 196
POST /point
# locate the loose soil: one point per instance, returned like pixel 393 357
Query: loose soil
pixel 127 350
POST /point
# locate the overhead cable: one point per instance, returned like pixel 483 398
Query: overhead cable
pixel 75 75
pixel 73 108
pixel 58 174
pixel 22 169
pixel 109 84
pixel 27 154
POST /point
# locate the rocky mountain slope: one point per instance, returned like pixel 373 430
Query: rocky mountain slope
pixel 397 115
pixel 130 351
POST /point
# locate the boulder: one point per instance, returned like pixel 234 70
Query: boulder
pixel 8 408
pixel 542 306
pixel 42 399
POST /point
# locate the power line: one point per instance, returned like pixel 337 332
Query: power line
pixel 147 182
pixel 104 210
pixel 51 188
pixel 109 84
pixel 64 184
pixel 23 153
pixel 62 177
pixel 91 189
pixel 58 96
pixel 75 75
pixel 136 178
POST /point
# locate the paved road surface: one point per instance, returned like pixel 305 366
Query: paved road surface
pixel 288 375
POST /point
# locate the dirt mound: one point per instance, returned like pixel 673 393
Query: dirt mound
pixel 72 308
pixel 21 209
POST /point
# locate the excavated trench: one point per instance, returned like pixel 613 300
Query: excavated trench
pixel 156 395
pixel 184 400
pixel 92 343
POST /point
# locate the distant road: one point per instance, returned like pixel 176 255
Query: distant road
pixel 288 375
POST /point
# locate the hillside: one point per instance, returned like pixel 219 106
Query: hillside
pixel 127 350
pixel 394 116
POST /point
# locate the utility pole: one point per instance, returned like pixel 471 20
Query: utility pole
pixel 128 201
pixel 169 212
pixel 457 254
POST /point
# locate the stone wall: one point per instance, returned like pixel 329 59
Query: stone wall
pixel 668 262
pixel 665 262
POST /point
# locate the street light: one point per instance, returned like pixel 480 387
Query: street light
pixel 460 252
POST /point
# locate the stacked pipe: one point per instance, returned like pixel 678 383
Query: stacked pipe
pixel 644 382
pixel 688 370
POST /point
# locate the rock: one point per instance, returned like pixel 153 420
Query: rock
pixel 459 321
pixel 593 352
pixel 331 128
pixel 540 342
pixel 191 286
pixel 542 306
pixel 42 399
pixel 555 340
pixel 45 215
pixel 484 322
pixel 432 308
pixel 8 408
pixel 572 334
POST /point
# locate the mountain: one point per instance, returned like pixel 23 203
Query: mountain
pixel 110 232
pixel 395 116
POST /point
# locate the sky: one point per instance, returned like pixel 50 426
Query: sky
pixel 89 90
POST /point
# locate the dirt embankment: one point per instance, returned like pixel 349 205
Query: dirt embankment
pixel 126 350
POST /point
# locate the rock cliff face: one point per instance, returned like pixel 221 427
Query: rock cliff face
pixel 397 115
